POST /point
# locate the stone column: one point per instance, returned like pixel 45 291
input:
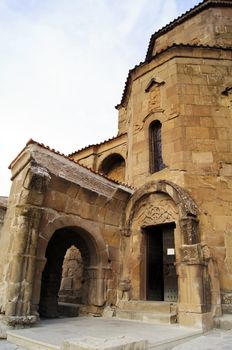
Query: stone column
pixel 24 230
pixel 194 286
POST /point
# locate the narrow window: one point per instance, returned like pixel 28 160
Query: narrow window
pixel 156 159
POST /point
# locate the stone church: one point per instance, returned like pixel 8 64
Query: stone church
pixel 138 226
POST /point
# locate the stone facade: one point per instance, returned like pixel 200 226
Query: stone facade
pixel 185 83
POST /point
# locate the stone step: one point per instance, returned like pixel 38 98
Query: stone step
pixel 146 316
pixel 224 322
pixel 29 343
pixel 151 306
pixel 68 309
pixel 53 333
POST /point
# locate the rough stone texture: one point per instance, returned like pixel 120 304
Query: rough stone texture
pixel 94 156
pixel 46 203
pixel 72 277
pixel 56 202
pixel 118 343
pixel 3 207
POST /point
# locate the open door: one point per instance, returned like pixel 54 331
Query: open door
pixel 161 278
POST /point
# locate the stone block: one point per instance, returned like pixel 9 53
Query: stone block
pixel 202 157
pixel 116 343
pixel 197 320
pixel 226 170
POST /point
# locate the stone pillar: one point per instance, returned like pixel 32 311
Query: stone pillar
pixel 24 230
pixel 97 287
pixel 189 229
pixel 195 291
pixel 22 266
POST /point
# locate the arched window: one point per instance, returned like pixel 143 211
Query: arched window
pixel 156 159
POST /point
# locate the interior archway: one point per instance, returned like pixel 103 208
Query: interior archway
pixel 58 245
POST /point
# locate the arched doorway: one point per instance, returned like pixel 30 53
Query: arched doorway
pixel 158 204
pixel 61 241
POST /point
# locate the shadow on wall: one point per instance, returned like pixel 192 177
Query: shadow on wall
pixel 114 167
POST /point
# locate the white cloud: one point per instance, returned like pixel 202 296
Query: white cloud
pixel 63 68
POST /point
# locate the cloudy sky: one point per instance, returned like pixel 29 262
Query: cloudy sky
pixel 63 65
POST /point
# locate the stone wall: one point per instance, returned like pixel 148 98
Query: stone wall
pixel 209 27
pixel 3 207
pixel 47 212
pixel 94 156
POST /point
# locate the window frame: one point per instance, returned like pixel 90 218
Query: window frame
pixel 155 147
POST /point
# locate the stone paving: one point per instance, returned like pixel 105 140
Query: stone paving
pixel 213 340
pixel 5 345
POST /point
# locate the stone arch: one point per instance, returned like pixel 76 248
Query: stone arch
pixel 186 207
pixel 198 288
pixel 79 232
pixel 113 166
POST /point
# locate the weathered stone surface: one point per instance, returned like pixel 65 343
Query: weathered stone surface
pixel 117 343
pixel 56 203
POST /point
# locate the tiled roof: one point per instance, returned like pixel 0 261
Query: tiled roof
pixel 190 13
pixel 96 144
pixel 174 45
pixel 31 142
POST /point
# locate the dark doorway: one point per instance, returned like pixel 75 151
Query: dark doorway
pixel 161 278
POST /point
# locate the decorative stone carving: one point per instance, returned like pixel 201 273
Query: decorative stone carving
pixel 191 254
pixel 206 252
pixel 157 214
pixel 226 298
pixel 37 178
pixel 154 100
pixel 189 228
pixel 126 231
pixel 186 206
pixel 180 197
pixel 125 285
pixel 124 289
pixel 154 83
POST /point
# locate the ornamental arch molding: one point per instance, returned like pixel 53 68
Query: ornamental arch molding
pixel 186 208
pixel 65 221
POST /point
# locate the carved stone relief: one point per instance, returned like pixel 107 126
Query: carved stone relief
pixel 226 298
pixel 191 253
pixel 195 253
pixel 154 100
pixel 159 212
pixel 189 227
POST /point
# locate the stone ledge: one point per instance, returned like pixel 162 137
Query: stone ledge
pixel 116 343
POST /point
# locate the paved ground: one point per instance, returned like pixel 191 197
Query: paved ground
pixel 214 340
pixel 54 331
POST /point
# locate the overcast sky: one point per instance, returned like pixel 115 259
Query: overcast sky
pixel 63 65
